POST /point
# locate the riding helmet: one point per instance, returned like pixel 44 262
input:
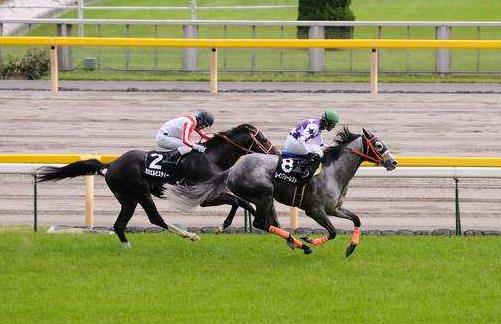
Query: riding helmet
pixel 204 118
pixel 330 117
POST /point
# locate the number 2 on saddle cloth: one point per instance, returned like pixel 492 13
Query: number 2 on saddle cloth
pixel 162 166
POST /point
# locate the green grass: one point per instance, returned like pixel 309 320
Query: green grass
pixel 247 279
pixel 270 77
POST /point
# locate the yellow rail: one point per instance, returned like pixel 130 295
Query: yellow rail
pixel 250 43
pixel 404 161
pixel 215 44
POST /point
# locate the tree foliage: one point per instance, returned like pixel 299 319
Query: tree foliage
pixel 326 10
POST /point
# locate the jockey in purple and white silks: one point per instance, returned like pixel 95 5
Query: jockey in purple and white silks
pixel 176 134
pixel 306 137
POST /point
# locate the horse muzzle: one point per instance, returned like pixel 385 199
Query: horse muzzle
pixel 389 162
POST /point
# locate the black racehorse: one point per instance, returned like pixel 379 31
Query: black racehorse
pixel 131 186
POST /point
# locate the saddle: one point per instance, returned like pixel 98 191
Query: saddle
pixel 162 165
pixel 296 169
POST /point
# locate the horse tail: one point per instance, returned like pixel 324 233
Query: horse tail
pixel 79 168
pixel 187 197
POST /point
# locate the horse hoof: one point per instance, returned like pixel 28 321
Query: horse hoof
pixel 307 250
pixel 126 245
pixel 306 239
pixel 194 237
pixel 350 249
pixel 219 229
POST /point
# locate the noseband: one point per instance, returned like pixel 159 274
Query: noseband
pixel 369 151
pixel 255 141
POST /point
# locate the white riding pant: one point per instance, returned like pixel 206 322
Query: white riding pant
pixel 297 147
pixel 172 143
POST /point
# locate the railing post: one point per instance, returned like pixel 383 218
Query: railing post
pixel 54 73
pixel 294 217
pixel 190 62
pixel 443 55
pixel 458 214
pixel 64 52
pixel 127 50
pixel 81 16
pixel 374 71
pixel 35 203
pixel 317 55
pixel 213 70
pixel 1 52
pixel 89 201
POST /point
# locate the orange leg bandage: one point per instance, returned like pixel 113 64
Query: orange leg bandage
pixel 355 237
pixel 284 234
pixel 320 240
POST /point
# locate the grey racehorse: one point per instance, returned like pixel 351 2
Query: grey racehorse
pixel 251 178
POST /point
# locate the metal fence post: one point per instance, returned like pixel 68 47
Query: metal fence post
pixel 374 71
pixel 317 55
pixel 35 209
pixel 81 16
pixel 127 51
pixel 190 62
pixel 64 53
pixel 458 214
pixel 54 71
pixel 443 55
pixel 1 52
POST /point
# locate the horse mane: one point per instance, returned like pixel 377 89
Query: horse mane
pixel 343 138
pixel 218 137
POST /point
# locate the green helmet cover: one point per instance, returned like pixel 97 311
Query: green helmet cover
pixel 331 117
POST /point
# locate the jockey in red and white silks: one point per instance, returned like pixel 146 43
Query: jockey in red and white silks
pixel 177 133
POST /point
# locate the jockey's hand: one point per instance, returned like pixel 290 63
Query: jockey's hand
pixel 199 148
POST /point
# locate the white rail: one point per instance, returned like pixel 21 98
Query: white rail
pixel 364 172
pixel 358 23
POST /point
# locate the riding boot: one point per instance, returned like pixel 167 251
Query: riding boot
pixel 174 159
pixel 309 164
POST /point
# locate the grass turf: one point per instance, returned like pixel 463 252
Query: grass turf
pixel 247 278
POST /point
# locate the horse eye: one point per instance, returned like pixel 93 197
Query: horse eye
pixel 379 146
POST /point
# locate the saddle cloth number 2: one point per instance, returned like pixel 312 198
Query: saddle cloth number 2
pixel 153 164
pixel 287 165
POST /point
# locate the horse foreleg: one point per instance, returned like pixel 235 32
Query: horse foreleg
pixel 323 220
pixel 155 218
pixel 355 237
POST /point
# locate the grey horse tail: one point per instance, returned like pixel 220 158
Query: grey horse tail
pixel 79 168
pixel 187 197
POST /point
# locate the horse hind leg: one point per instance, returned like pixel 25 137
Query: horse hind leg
pixel 155 218
pixel 323 220
pixel 265 207
pixel 123 218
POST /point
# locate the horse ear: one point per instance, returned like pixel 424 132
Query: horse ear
pixel 367 133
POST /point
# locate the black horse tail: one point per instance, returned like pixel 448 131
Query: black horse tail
pixel 79 168
pixel 187 197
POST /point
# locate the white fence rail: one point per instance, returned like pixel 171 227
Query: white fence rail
pixel 454 173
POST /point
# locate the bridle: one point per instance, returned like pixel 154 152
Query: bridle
pixel 370 153
pixel 255 141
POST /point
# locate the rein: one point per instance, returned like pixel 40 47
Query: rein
pixel 254 141
pixel 372 154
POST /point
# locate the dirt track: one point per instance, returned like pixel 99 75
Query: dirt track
pixel 111 122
